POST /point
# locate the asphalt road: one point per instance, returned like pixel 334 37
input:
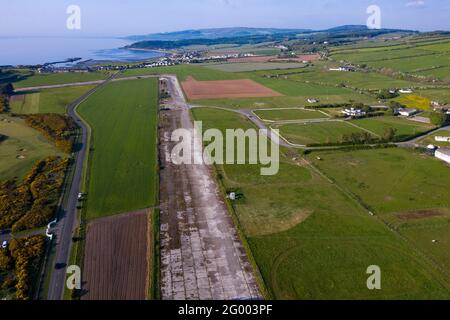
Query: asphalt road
pixel 67 221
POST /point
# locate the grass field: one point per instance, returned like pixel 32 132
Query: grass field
pixel 360 80
pixel 413 64
pixel 289 114
pixel 47 101
pixel 391 180
pixel 405 128
pixel 22 141
pixel 311 241
pixel 316 133
pixel 442 73
pixel 59 78
pixel 286 101
pixel 183 71
pixel 440 95
pixel 295 88
pixel 123 118
pixel 417 56
pixel 255 66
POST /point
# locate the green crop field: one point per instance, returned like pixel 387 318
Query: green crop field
pixel 22 141
pixel 316 133
pixel 310 240
pixel 123 118
pixel 252 66
pixel 59 78
pixel 405 128
pixel 47 101
pixel 289 114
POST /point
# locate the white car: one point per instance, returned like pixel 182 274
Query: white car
pixel 4 244
pixel 80 196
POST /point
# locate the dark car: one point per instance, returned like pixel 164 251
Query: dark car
pixel 60 266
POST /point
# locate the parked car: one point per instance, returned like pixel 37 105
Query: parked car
pixel 4 244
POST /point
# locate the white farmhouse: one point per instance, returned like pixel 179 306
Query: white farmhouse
pixel 443 154
pixel 405 91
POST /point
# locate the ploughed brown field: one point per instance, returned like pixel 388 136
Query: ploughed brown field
pixel 299 58
pixel 245 88
pixel 115 260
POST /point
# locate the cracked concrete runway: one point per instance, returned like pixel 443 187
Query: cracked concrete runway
pixel 202 257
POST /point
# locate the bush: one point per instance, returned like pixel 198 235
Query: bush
pixel 32 203
pixel 27 254
pixel 438 118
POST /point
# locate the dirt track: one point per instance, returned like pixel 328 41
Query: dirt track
pixel 226 89
pixel 115 263
pixel 202 256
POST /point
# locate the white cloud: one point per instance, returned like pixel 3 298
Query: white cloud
pixel 416 3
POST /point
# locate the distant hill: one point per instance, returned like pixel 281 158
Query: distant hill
pixel 243 36
pixel 215 33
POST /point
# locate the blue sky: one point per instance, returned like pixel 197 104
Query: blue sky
pixel 120 17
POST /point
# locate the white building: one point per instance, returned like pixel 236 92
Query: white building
pixel 442 139
pixel 346 69
pixel 352 112
pixel 405 91
pixel 443 154
pixel 313 100
pixel 407 112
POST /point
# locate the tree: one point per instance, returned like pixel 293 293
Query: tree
pixel 386 94
pixel 389 134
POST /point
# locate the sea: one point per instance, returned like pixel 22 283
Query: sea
pixel 39 50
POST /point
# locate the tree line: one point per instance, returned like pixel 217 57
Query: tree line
pixel 56 127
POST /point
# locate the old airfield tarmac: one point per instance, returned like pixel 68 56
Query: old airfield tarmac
pixel 202 256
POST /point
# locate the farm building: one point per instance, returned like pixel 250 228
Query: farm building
pixel 345 69
pixel 313 100
pixel 405 91
pixel 407 112
pixel 442 139
pixel 352 112
pixel 443 154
